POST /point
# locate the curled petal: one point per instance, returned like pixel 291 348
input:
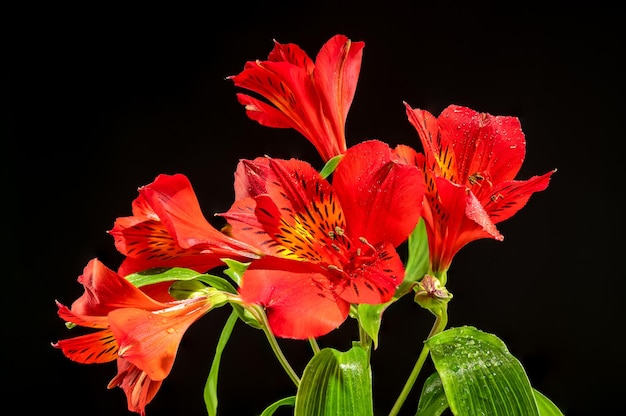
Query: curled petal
pixel 138 387
pixel 105 291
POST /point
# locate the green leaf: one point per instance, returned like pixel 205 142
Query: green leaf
pixel 210 388
pixel 433 400
pixel 479 375
pixel 224 285
pixel 217 282
pixel 418 261
pixel 287 401
pixel 235 270
pixel 370 317
pixel 159 275
pixel 546 406
pixel 330 166
pixel 336 383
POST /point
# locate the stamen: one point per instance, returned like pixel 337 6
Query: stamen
pixel 473 179
pixel 335 268
pixel 364 241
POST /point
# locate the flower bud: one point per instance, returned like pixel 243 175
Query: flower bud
pixel 429 294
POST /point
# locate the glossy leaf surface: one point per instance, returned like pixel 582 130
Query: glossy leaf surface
pixel 336 383
pixel 479 374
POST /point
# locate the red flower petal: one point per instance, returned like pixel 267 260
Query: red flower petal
pixel 265 114
pixel 297 296
pixel 138 387
pixel 485 143
pixel 374 278
pixel 176 234
pixel 337 68
pixel 313 99
pixel 381 198
pixel 509 197
pixel 95 348
pixel 251 177
pixel 105 291
pixel 150 340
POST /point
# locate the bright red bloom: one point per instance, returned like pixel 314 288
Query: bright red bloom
pixel 168 229
pixel 326 245
pixel 312 98
pixel 470 163
pixel 143 334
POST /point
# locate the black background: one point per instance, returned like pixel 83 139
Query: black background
pixel 101 100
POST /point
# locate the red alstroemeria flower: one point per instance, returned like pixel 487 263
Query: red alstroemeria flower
pixel 143 334
pixel 326 245
pixel 312 98
pixel 168 229
pixel 470 162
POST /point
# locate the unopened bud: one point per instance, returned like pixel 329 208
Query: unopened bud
pixel 429 293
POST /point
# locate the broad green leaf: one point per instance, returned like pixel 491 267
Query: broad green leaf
pixel 159 275
pixel 287 401
pixel 330 166
pixel 418 261
pixel 336 383
pixel 210 388
pixel 479 375
pixel 546 406
pixel 433 400
pixel 370 317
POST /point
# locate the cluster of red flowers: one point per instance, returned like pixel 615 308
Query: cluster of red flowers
pixel 316 244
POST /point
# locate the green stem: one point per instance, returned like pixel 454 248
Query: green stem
pixel 276 348
pixel 314 346
pixel 440 323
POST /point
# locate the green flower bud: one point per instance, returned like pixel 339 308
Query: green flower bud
pixel 429 294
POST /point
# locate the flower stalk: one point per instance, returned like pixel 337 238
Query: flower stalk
pixel 441 320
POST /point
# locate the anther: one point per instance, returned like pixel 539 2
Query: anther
pixel 364 241
pixel 335 268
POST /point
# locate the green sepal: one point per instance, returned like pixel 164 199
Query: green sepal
pixel 287 401
pixel 336 383
pixel 330 166
pixel 210 387
pixel 479 374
